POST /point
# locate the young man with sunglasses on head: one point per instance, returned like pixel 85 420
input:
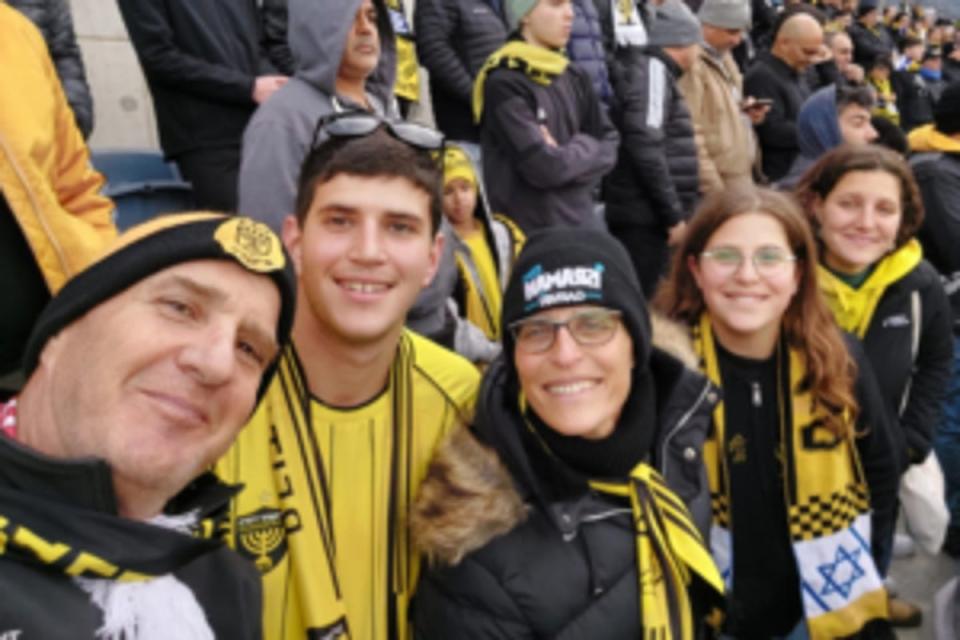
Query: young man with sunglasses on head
pixel 334 455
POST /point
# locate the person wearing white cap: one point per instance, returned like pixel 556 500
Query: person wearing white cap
pixel 713 89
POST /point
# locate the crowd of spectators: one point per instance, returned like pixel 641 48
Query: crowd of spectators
pixel 780 179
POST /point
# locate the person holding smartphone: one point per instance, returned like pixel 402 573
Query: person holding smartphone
pixel 713 90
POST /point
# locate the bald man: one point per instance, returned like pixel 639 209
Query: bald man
pixel 778 75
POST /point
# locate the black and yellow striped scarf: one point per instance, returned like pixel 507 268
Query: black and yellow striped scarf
pixel 670 551
pixel 828 505
pixel 539 64
pixel 302 489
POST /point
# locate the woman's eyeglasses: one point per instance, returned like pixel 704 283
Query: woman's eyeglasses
pixel 589 328
pixel 767 261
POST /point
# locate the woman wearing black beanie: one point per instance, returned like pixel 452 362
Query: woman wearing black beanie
pixel 580 514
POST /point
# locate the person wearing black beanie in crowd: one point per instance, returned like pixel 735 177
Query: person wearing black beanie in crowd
pixel 575 505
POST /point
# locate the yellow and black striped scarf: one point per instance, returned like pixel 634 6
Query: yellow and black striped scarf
pixel 301 489
pixel 539 64
pixel 670 551
pixel 828 505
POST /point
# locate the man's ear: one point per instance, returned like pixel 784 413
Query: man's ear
pixel 436 255
pixel 292 239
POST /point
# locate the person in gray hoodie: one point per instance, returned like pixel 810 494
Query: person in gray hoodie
pixel 345 59
pixel 336 47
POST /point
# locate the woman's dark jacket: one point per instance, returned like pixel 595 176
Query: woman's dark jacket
pixel 524 549
pixel 55 22
pixel 454 39
pixel 656 182
pixel 922 379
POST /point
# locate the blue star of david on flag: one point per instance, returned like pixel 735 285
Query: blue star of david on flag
pixel 841 574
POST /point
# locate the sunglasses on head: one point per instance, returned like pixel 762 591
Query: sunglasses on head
pixel 356 124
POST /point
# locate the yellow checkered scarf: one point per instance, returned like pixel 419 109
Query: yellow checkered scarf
pixel 823 480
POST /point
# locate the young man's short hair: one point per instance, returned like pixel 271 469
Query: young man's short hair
pixel 377 155
pixel 860 96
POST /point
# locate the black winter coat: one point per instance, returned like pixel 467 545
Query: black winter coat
pixel 888 344
pixel 55 22
pixel 586 48
pixel 938 176
pixel 914 100
pixel 200 60
pixel 513 562
pixel 72 504
pixel 454 39
pixel 868 44
pixel 656 181
pixel 532 182
pixel 769 77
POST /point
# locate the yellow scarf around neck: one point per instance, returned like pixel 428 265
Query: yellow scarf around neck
pixel 539 64
pixel 670 551
pixel 828 506
pixel 853 308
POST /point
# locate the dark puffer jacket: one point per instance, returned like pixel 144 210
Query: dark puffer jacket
pixel 586 49
pixel 511 562
pixel 454 39
pixel 656 181
pixel 55 22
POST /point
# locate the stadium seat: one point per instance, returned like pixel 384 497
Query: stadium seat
pixel 142 184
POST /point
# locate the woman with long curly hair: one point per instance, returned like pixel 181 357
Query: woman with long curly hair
pixel 866 208
pixel 799 461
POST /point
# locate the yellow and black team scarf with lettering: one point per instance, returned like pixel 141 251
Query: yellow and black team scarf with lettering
pixel 670 551
pixel 539 64
pixel 828 505
pixel 407 84
pixel 297 523
pixel 853 308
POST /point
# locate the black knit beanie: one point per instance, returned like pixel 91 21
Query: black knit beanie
pixel 562 267
pixel 946 113
pixel 161 243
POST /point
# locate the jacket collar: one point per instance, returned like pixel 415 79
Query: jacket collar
pixel 88 483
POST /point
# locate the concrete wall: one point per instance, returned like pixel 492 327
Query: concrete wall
pixel 122 106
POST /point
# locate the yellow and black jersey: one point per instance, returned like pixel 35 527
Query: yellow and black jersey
pixel 326 490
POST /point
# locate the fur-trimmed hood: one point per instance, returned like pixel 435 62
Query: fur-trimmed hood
pixel 469 496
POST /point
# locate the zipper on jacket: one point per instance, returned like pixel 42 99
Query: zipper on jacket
pixel 684 419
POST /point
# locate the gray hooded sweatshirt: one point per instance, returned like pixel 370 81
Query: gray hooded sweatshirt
pixel 281 131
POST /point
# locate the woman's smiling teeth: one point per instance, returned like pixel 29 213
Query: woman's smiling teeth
pixel 569 388
pixel 364 287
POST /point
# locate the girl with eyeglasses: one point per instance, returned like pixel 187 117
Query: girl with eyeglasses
pixel 865 207
pixel 574 506
pixel 799 458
